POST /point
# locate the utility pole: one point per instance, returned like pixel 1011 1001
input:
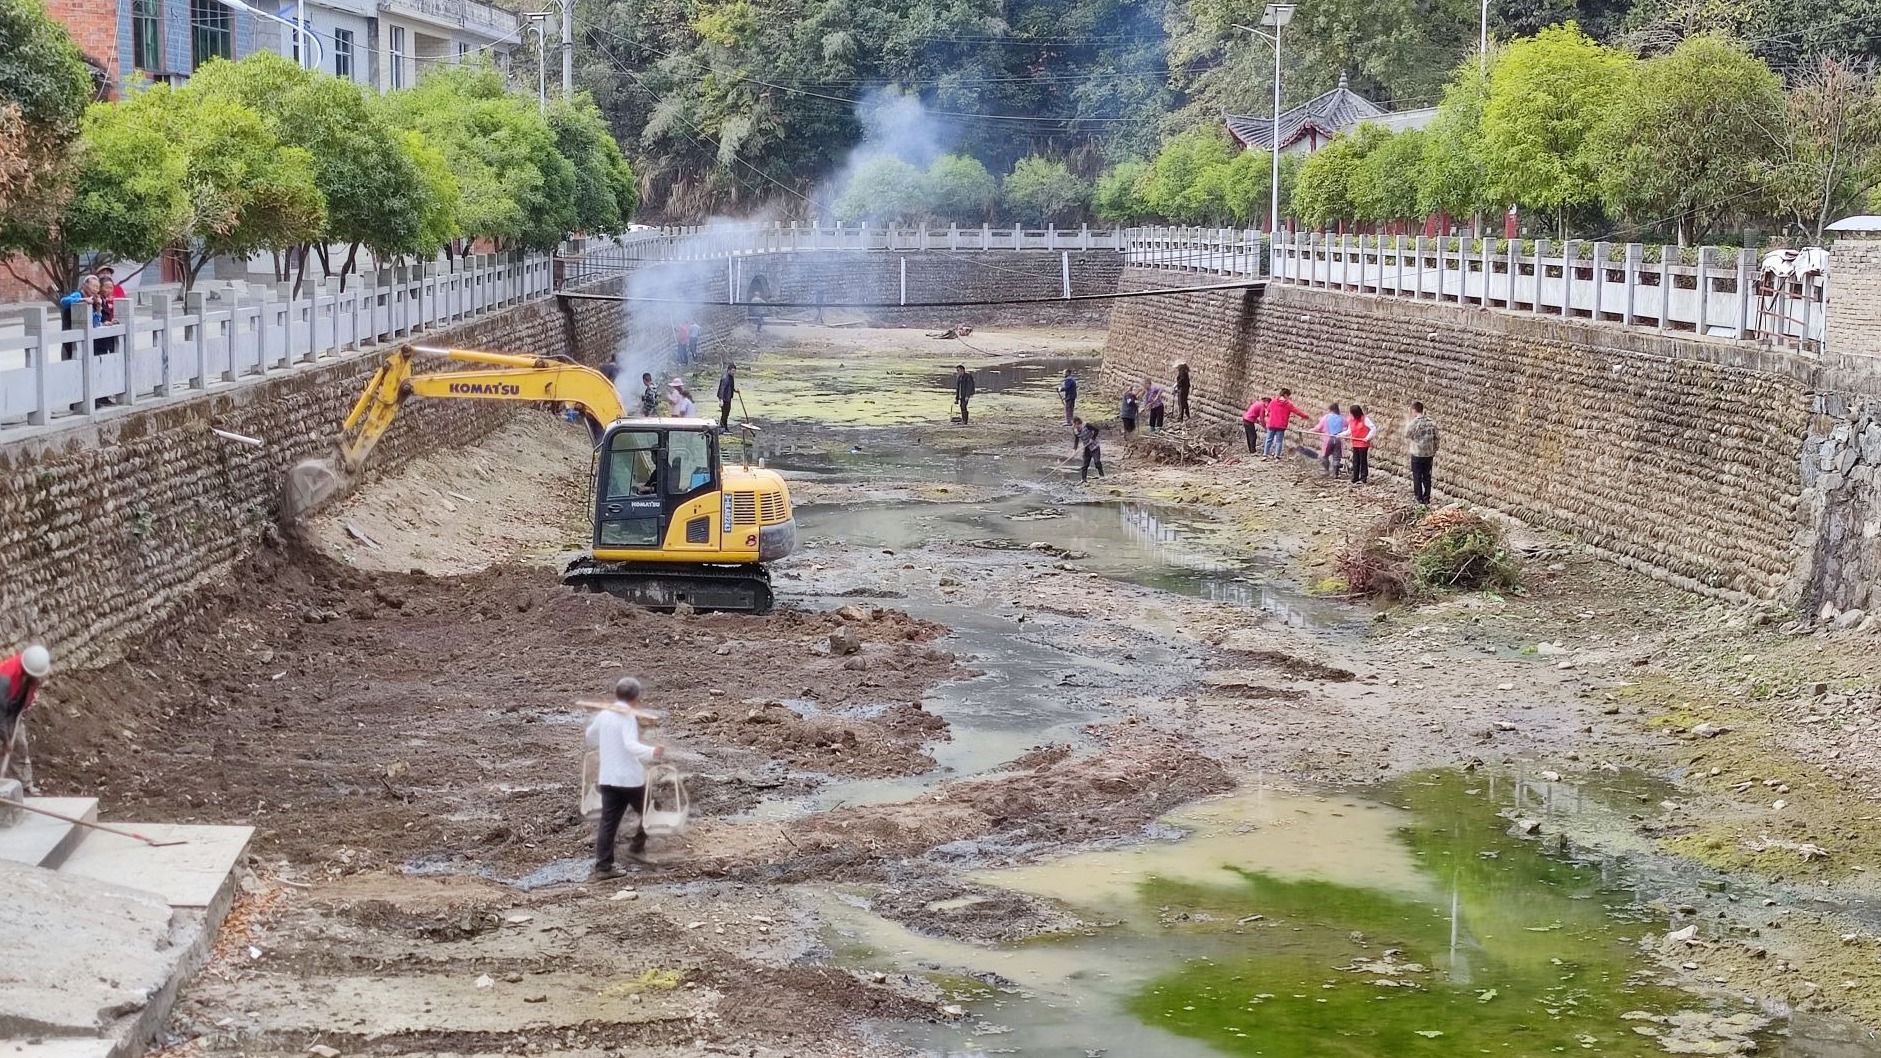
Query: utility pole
pixel 1482 39
pixel 300 31
pixel 536 18
pixel 568 50
pixel 1275 16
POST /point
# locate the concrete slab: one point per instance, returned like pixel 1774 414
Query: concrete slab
pixel 85 953
pixel 197 874
pixel 41 841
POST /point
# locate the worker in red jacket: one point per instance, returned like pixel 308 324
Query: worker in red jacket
pixel 20 678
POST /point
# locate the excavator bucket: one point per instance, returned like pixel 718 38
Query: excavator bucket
pixel 310 484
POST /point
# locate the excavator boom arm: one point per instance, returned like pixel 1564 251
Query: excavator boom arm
pixel 509 377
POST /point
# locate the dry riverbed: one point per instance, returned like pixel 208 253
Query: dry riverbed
pixel 1041 669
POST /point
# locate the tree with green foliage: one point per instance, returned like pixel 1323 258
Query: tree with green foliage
pixel 1044 190
pixel 248 191
pixel 1384 183
pixel 1827 161
pixel 1244 183
pixel 1178 187
pixel 44 86
pixel 1324 193
pixel 375 195
pixel 124 199
pixel 1451 177
pixel 882 189
pixel 439 202
pixel 1688 136
pixel 957 187
pixel 1547 95
pixel 605 192
pixel 516 188
pixel 728 104
pixel 1115 197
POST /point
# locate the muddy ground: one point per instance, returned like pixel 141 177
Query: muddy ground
pixel 388 697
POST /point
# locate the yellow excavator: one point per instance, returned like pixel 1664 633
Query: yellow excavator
pixel 672 524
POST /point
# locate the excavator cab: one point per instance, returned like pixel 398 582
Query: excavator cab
pixel 674 525
pixel 649 472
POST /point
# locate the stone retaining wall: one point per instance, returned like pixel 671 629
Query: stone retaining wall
pixel 875 277
pixel 1675 456
pixel 111 527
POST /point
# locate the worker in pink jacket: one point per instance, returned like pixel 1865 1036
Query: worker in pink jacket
pixel 1253 422
pixel 1280 411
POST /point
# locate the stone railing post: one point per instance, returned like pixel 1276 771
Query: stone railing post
pixel 1630 315
pixel 1741 318
pixel 1541 271
pixel 41 326
pixel 162 310
pixel 1705 261
pixel 1601 250
pixel 1570 256
pixel 1667 255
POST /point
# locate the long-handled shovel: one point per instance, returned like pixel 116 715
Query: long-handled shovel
pixel 119 831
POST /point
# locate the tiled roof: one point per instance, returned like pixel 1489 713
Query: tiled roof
pixel 1328 114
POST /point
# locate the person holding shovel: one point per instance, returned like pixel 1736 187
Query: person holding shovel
pixel 615 734
pixel 21 676
pixel 963 391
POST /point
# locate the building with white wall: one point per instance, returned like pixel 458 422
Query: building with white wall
pixel 413 36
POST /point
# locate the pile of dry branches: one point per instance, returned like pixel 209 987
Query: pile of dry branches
pixel 1182 446
pixel 1412 553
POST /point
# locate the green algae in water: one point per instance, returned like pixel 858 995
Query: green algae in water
pixel 1523 954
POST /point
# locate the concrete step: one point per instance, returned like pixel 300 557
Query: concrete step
pixel 133 922
pixel 42 841
pixel 197 874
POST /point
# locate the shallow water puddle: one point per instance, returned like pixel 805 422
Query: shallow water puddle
pixel 1411 924
pixel 1021 701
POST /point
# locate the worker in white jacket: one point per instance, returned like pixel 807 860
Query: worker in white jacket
pixel 615 733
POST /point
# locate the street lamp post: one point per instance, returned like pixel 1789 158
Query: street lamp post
pixel 1275 16
pixel 1482 39
pixel 536 18
pixel 568 49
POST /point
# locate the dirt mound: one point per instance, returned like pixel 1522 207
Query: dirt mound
pixel 883 745
pixel 1297 667
pixel 435 715
pixel 1135 779
pixel 964 911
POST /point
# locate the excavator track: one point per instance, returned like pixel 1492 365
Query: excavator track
pixel 663 586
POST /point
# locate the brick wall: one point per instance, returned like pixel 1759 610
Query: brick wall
pixel 109 529
pixel 1676 456
pixel 1852 315
pixel 94 28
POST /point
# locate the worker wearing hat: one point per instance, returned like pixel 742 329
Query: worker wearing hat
pixel 20 678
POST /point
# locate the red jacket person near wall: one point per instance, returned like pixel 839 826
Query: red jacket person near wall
pixel 20 678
